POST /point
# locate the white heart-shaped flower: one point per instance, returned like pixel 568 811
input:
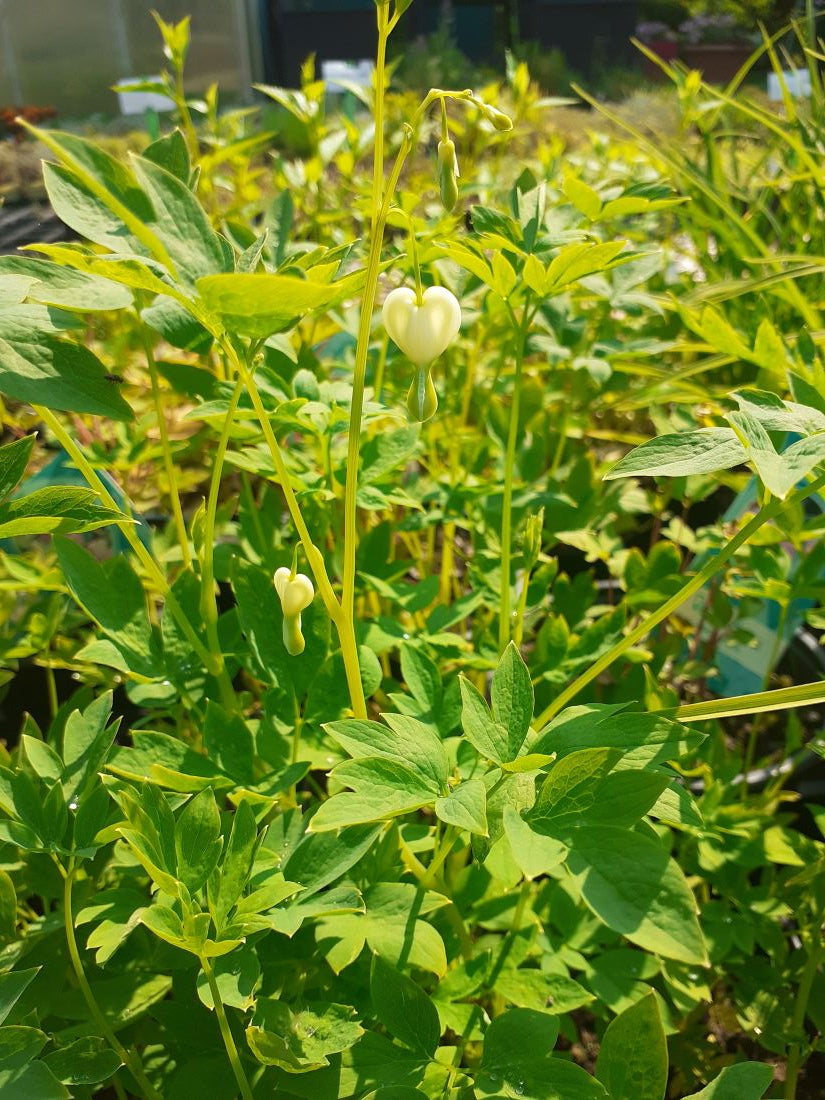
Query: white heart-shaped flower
pixel 296 592
pixel 422 331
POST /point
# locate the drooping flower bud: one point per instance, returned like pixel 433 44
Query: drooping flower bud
pixel 531 544
pixel 296 593
pixel 448 174
pixel 498 118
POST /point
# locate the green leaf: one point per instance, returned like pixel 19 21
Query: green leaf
pixel 635 888
pixel 550 1079
pixel 397 1092
pixel 88 1061
pixel 43 759
pixel 181 224
pixel 198 840
pixel 237 862
pixel 8 908
pixel 12 987
pixel 93 813
pixel 721 335
pixel 57 509
pixel 517 1061
pixel 258 305
pixel 409 742
pixel 381 789
pixel 517 1035
pixel 623 797
pixel 236 974
pixel 642 739
pixel 583 197
pixel 14 288
pixel 392 927
pixel 404 1008
pixel 115 914
pixel 570 791
pixel 123 999
pixel 320 859
pixel 83 210
pixel 60 286
pixel 228 741
pixel 744 1081
pixel 166 760
pixel 40 369
pixel 535 855
pixel 465 807
pixel 576 261
pixel 171 153
pixel 20 1045
pixel 633 1061
pixel 420 674
pixel 14 458
pixel 34 1082
pixel 113 596
pixel 528 987
pixel 701 452
pixel 617 977
pixel 302 1040
pixel 486 735
pixel 511 698
pixel 166 925
pixel 177 325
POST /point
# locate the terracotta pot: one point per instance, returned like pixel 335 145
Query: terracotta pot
pixel 664 49
pixel 717 63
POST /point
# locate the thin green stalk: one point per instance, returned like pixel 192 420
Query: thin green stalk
pixel 710 569
pixel 212 662
pixel 51 688
pixel 344 627
pixel 226 1032
pixel 127 1057
pixel 361 352
pixel 313 555
pixel 439 858
pixel 209 607
pixel 521 607
pixel 803 994
pixel 168 458
pixel 186 115
pixel 507 505
pixel 799 695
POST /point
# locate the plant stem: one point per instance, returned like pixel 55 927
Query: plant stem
pixel 209 606
pixel 186 115
pixel 313 555
pixel 348 643
pixel 507 504
pixel 803 994
pixel 710 569
pixel 129 1058
pixel 212 662
pixel 168 459
pixel 346 630
pixel 226 1033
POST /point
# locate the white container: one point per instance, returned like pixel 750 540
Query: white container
pixel 797 81
pixel 135 103
pixel 354 72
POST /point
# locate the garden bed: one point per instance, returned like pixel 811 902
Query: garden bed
pixel 412 585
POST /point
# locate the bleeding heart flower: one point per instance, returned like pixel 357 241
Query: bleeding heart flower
pixel 296 594
pixel 422 331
